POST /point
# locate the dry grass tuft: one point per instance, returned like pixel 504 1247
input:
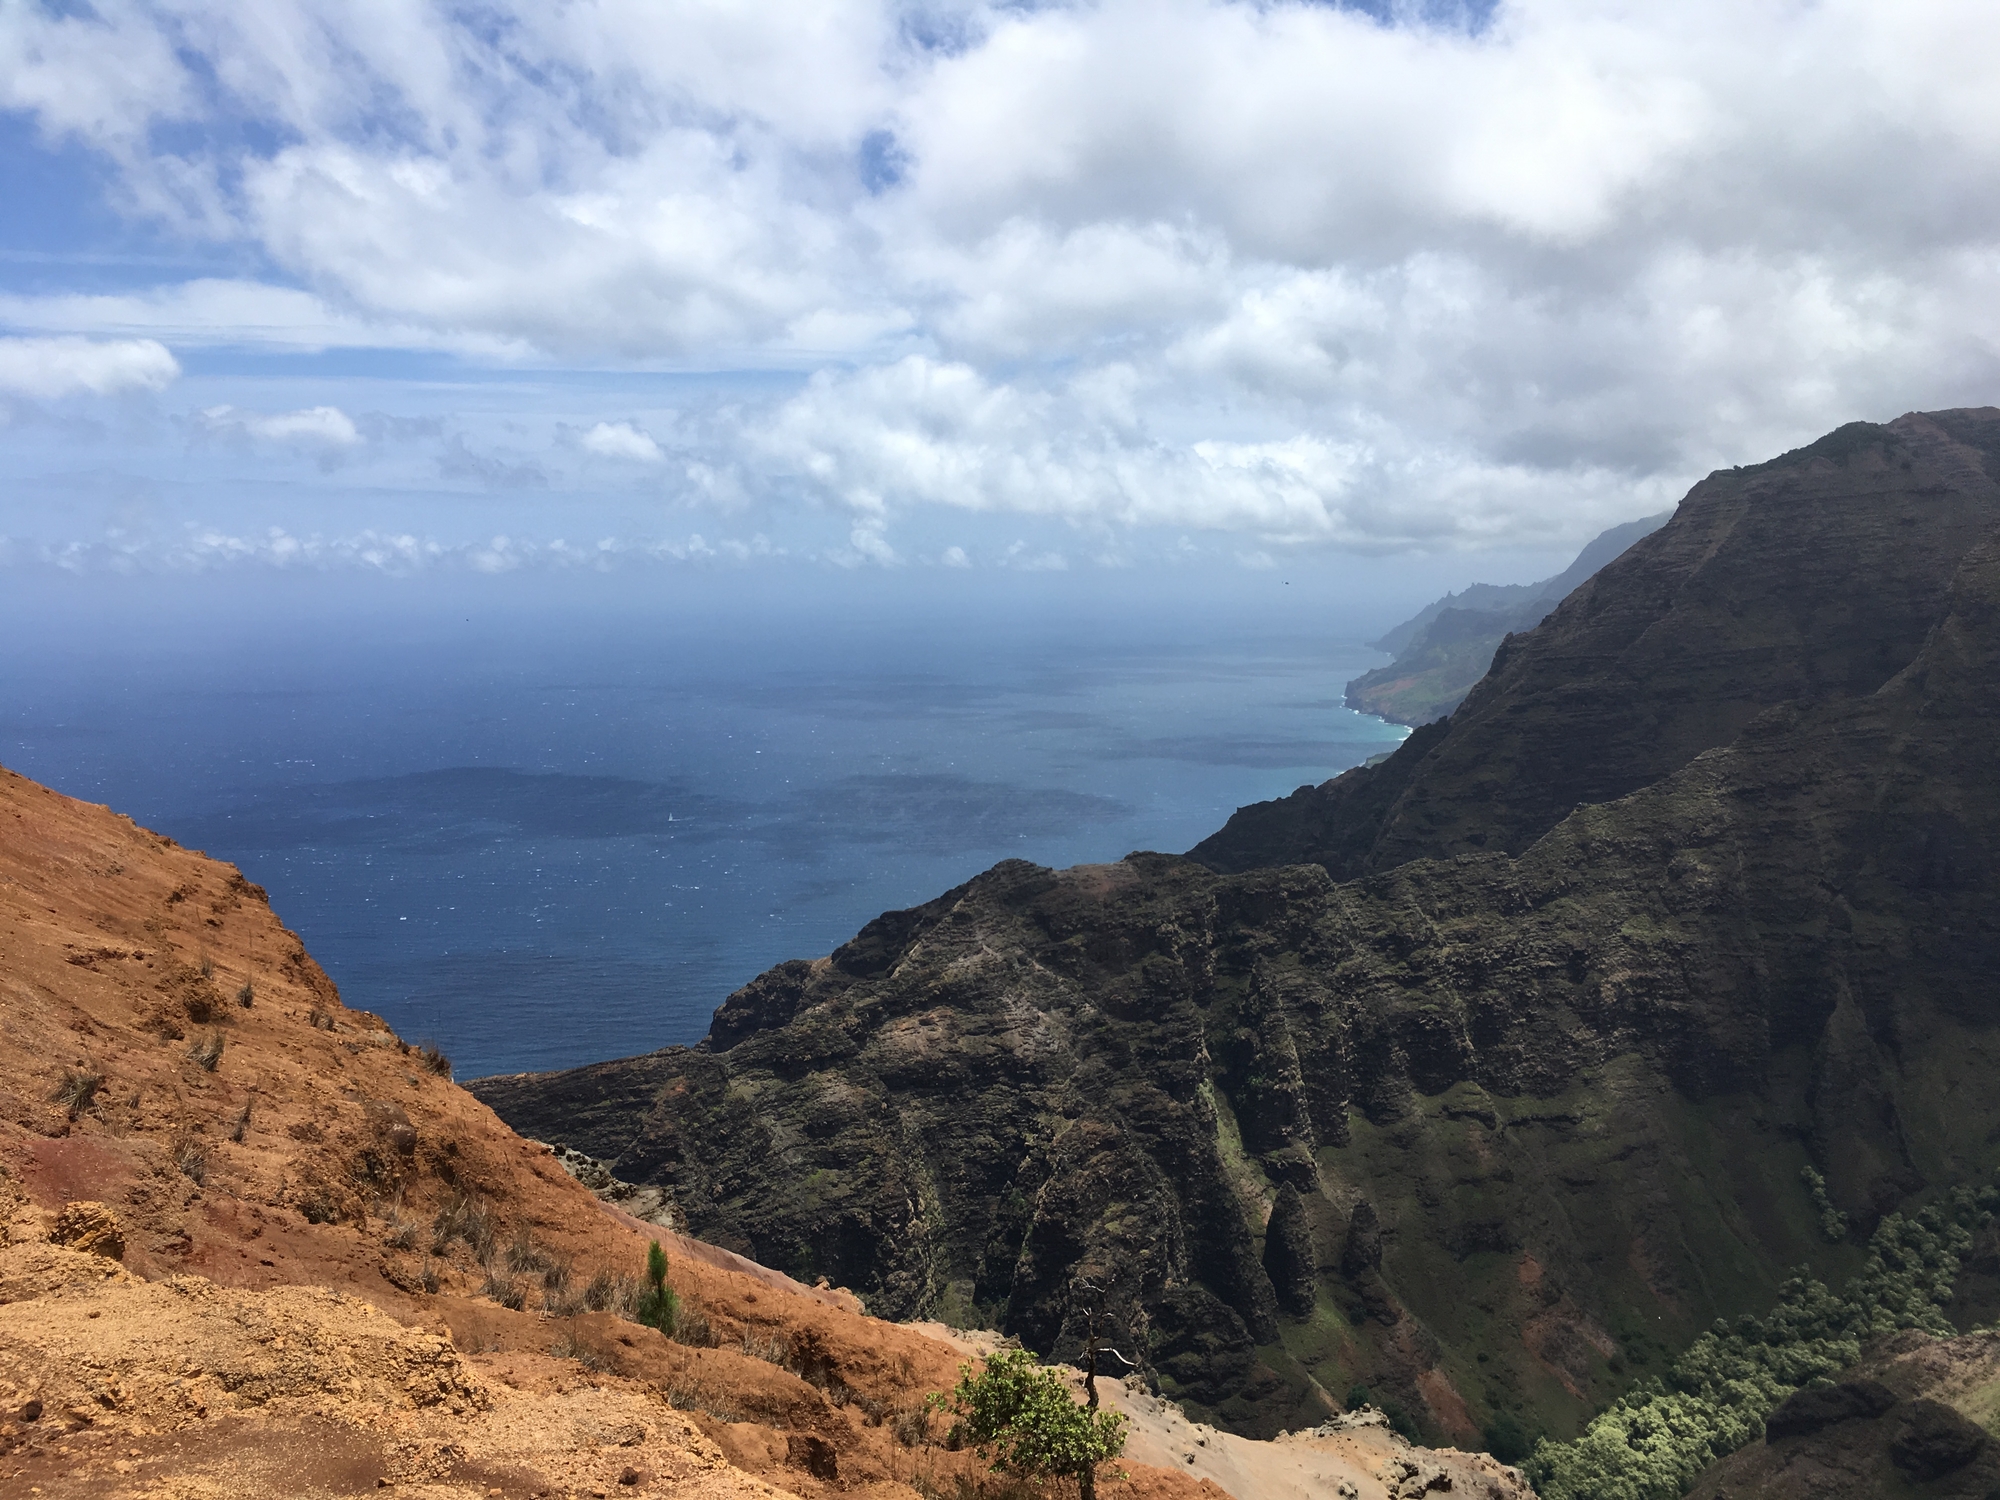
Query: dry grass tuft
pixel 504 1290
pixel 205 1051
pixel 569 1346
pixel 692 1327
pixel 77 1090
pixel 465 1218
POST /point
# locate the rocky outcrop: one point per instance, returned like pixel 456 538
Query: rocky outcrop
pixel 1807 579
pixel 1908 1420
pixel 1543 1107
pixel 1291 1259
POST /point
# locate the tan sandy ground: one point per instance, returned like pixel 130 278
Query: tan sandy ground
pixel 1366 1459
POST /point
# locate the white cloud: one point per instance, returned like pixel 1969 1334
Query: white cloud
pixel 621 440
pixel 923 433
pixel 208 549
pixel 1272 268
pixel 210 311
pixel 315 427
pixel 67 366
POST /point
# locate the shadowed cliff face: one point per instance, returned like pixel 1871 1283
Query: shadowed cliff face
pixel 1542 1117
pixel 1808 578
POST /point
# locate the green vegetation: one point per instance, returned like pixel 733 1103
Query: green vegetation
pixel 1506 1439
pixel 1654 1440
pixel 658 1306
pixel 1832 1222
pixel 1023 1414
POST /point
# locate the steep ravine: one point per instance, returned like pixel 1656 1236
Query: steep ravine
pixel 1491 1135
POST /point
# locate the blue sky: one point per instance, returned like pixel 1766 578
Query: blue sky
pixel 397 287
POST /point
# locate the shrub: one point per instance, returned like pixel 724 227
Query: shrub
pixel 247 996
pixel 1655 1439
pixel 524 1257
pixel 1506 1439
pixel 77 1090
pixel 602 1292
pixel 1023 1415
pixel 658 1307
pixel 205 1051
pixel 1832 1222
pixel 429 1055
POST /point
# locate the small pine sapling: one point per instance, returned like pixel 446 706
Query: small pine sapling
pixel 658 1306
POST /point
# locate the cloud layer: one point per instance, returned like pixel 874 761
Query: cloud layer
pixel 1279 269
pixel 51 368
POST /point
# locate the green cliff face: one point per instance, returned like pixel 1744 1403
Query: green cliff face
pixel 1812 577
pixel 1535 1115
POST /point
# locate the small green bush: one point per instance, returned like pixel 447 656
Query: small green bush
pixel 1506 1439
pixel 658 1306
pixel 1022 1413
pixel 1832 1222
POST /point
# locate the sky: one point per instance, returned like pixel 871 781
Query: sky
pixel 386 287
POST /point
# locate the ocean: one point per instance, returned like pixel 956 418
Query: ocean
pixel 546 835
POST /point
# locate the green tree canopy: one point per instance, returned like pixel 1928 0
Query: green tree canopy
pixel 1023 1414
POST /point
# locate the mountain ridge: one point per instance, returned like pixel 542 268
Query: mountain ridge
pixel 1447 646
pixel 1669 650
pixel 1544 1108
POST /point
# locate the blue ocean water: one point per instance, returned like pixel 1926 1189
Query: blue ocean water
pixel 560 835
